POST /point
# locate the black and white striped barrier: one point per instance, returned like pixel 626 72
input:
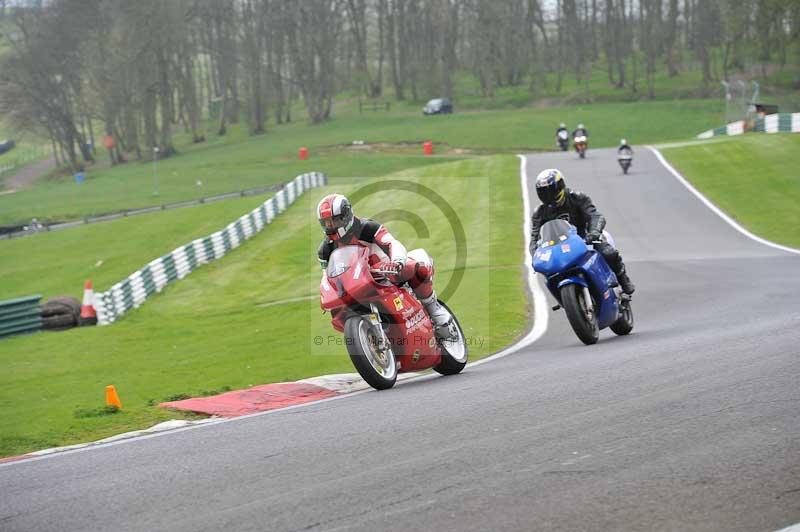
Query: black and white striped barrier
pixel 132 291
pixel 776 123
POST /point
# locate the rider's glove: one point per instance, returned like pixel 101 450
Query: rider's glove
pixel 592 237
pixel 398 264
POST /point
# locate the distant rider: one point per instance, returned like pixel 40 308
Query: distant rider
pixel 559 202
pixel 624 148
pixel 343 228
pixel 562 128
pixel 580 131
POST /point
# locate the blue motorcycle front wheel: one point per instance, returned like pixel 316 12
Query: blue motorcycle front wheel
pixel 581 314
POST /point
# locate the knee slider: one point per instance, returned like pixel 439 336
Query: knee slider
pixel 424 271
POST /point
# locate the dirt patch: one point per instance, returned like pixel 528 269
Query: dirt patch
pixel 28 175
pixel 410 147
pixel 543 103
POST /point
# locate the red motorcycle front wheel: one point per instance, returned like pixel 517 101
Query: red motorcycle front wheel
pixel 371 355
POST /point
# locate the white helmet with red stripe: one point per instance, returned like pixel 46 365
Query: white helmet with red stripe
pixel 335 215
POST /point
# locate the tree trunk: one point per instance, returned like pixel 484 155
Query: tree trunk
pixel 620 45
pixel 392 22
pixel 672 56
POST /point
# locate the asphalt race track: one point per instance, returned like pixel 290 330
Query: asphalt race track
pixel 690 423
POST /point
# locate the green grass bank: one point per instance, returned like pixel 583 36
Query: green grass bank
pixel 754 178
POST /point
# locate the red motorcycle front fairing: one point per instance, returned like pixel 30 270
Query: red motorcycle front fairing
pixel 410 330
pixel 338 318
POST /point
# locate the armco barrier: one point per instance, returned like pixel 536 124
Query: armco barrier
pixel 144 210
pixel 20 315
pixel 777 123
pixel 132 291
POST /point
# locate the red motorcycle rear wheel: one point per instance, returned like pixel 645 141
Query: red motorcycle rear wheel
pixel 454 352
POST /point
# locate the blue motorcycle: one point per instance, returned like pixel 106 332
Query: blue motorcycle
pixel 582 283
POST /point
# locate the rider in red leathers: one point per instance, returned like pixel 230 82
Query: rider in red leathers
pixel 415 267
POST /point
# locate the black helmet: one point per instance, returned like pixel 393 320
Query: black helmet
pixel 550 187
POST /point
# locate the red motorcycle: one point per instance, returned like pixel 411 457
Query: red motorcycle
pixel 580 145
pixel 386 329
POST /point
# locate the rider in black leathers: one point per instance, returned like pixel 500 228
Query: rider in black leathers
pixel 563 143
pixel 580 130
pixel 559 202
pixel 624 148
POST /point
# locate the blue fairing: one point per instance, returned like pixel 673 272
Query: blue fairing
pixel 560 256
pixel 575 279
pixel 600 278
pixel 570 261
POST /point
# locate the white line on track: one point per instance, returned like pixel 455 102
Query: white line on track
pixel 716 210
pixel 540 315
pixel 538 329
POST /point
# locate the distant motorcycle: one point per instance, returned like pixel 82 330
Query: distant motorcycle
pixel 563 140
pixel 580 144
pixel 582 283
pixel 386 329
pixel 625 160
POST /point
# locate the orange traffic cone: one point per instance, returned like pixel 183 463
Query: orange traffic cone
pixel 112 399
pixel 88 314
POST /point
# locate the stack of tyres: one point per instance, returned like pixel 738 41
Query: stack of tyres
pixel 60 313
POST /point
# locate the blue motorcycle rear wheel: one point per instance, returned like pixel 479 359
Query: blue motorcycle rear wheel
pixel 624 324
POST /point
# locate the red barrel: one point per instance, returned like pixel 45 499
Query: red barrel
pixel 427 148
pixel 303 153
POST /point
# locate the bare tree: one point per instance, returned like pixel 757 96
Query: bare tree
pixel 650 39
pixel 312 28
pixel 703 37
pixel 670 41
pixel 394 24
pixel 40 83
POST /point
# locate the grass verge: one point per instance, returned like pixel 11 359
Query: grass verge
pixel 238 321
pixel 57 263
pixel 753 178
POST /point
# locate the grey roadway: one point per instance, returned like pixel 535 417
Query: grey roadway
pixel 690 423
